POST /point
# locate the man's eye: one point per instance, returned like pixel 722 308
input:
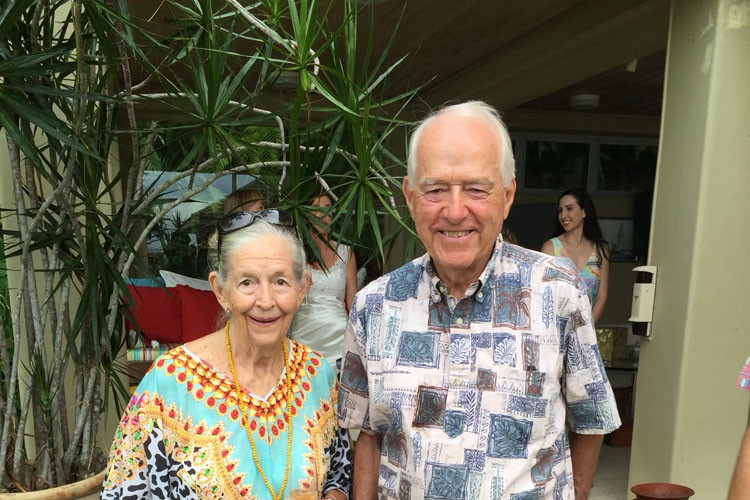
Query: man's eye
pixel 282 282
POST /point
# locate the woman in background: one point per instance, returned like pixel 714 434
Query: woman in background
pixel 321 320
pixel 245 199
pixel 580 239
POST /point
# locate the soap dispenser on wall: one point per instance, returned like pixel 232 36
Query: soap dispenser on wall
pixel 644 290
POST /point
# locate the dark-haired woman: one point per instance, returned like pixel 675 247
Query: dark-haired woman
pixel 580 239
pixel 321 320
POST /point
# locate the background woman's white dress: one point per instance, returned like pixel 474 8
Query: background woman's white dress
pixel 321 320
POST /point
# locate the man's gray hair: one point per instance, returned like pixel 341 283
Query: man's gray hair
pixel 474 109
pixel 258 229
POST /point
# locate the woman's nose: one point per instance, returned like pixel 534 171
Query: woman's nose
pixel 264 296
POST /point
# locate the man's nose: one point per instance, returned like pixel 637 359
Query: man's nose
pixel 455 209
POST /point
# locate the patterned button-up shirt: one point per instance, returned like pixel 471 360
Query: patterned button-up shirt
pixel 473 398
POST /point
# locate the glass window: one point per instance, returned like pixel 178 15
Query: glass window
pixel 555 165
pixel 626 167
pixel 178 242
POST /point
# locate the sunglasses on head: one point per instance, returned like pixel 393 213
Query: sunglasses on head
pixel 240 220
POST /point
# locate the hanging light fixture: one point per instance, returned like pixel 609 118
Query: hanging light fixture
pixel 580 102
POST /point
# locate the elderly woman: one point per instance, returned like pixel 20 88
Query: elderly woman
pixel 243 412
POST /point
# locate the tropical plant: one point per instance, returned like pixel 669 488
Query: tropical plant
pixel 94 93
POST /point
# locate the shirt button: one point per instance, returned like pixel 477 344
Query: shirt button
pixel 460 321
pixel 480 295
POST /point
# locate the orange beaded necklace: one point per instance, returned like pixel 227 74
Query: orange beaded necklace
pixel 243 406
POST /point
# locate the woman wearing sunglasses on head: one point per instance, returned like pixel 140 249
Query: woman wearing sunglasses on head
pixel 243 412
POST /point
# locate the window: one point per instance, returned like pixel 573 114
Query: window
pixel 547 162
pixel 556 165
pixel 178 243
pixel 626 167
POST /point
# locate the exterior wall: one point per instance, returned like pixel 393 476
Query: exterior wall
pixel 689 417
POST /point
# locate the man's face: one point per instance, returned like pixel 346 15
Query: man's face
pixel 458 201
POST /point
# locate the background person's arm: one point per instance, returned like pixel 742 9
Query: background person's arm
pixel 740 487
pixel 603 293
pixel 584 454
pixel 351 280
pixel 366 466
pixel 548 248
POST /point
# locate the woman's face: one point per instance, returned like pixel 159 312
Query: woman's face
pixel 324 214
pixel 569 213
pixel 261 290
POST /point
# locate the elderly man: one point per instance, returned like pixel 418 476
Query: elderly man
pixel 473 371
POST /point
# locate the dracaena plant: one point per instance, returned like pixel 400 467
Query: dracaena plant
pixel 94 95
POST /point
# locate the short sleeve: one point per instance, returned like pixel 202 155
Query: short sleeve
pixel 354 397
pixel 743 381
pixel 590 403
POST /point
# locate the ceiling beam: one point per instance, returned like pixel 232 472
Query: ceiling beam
pixel 583 42
pixel 581 123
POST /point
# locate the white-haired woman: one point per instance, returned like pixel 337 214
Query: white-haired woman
pixel 243 412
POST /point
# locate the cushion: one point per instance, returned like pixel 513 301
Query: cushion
pixel 156 311
pixel 173 279
pixel 200 312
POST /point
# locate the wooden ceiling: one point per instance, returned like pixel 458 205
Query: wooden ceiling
pixel 528 55
pixel 634 89
pixel 513 54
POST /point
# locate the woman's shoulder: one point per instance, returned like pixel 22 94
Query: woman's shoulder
pixel 343 250
pixel 315 364
pixel 551 246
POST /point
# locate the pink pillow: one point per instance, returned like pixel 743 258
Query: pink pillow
pixel 200 312
pixel 157 313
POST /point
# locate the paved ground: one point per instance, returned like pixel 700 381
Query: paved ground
pixel 611 480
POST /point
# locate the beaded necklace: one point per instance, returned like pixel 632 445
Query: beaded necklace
pixel 243 406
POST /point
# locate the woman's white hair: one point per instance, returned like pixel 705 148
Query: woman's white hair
pixel 475 109
pixel 258 229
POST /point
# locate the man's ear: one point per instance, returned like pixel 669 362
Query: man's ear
pixel 213 280
pixel 510 195
pixel 408 193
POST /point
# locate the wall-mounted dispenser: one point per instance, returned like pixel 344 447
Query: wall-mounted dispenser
pixel 644 289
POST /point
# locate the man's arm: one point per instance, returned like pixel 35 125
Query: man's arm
pixel 740 488
pixel 584 454
pixel 366 466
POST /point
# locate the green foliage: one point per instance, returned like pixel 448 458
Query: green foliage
pixel 95 99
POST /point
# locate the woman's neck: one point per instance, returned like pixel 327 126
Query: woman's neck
pixel 325 247
pixel 259 362
pixel 575 236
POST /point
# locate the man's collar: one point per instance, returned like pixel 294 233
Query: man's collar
pixel 484 283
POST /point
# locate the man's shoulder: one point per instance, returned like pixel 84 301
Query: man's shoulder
pixel 552 268
pixel 518 254
pixel 408 275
